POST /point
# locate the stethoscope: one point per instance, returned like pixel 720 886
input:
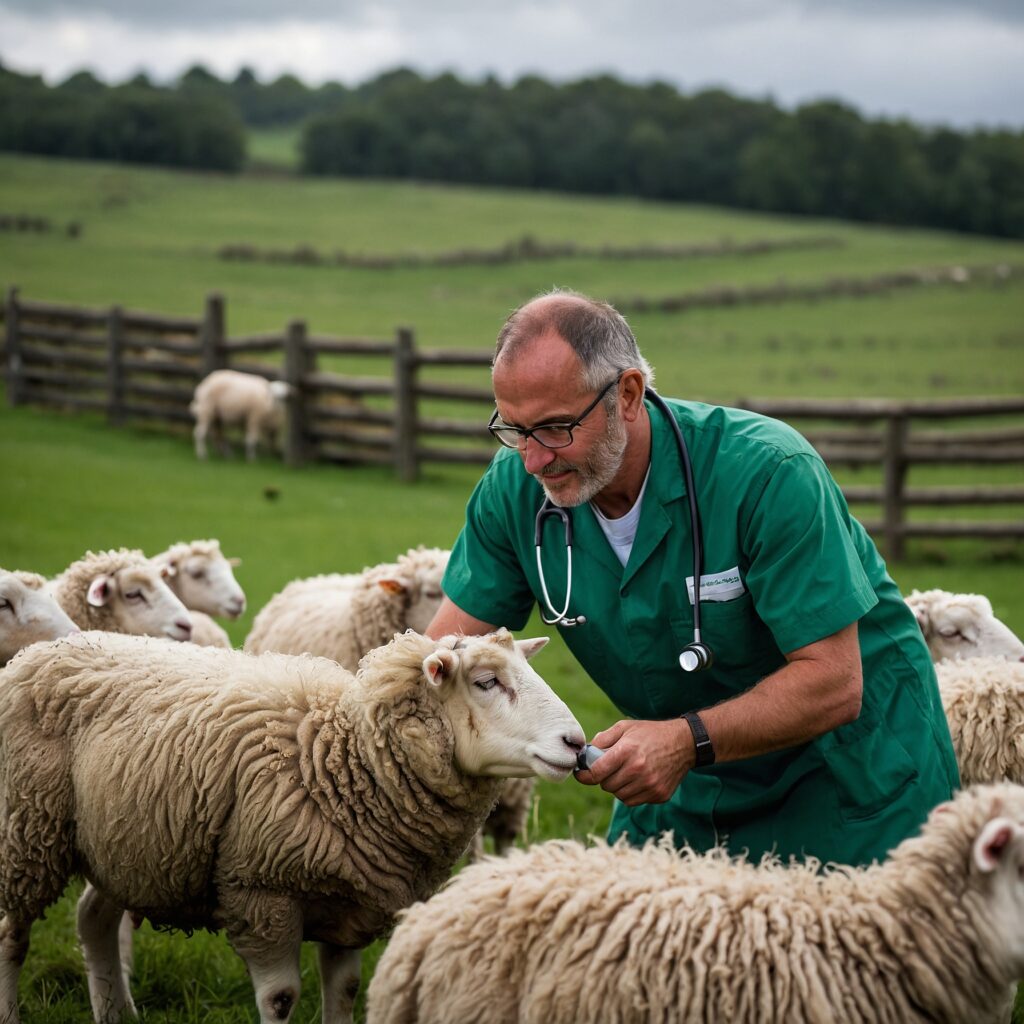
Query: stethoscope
pixel 694 656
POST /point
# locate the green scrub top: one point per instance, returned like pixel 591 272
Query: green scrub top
pixel 784 565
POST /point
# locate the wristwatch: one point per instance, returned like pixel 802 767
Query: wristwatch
pixel 701 740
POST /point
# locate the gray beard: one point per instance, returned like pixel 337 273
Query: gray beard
pixel 597 471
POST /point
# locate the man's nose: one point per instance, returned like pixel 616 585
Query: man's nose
pixel 536 456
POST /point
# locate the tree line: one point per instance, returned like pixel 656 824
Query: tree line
pixel 596 135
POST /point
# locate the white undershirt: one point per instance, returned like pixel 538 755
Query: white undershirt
pixel 621 532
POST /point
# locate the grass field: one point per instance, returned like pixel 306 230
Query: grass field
pixel 148 242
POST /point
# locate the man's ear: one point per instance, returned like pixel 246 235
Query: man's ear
pixel 100 590
pixel 631 392
pixel 439 666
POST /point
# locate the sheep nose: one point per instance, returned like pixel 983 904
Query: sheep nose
pixel 573 743
pixel 185 625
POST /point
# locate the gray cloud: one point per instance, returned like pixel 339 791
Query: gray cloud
pixel 930 60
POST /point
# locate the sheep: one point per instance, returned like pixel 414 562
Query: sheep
pixel 120 592
pixel 561 933
pixel 278 797
pixel 28 613
pixel 227 398
pixel 984 703
pixel 202 578
pixel 962 626
pixel 342 616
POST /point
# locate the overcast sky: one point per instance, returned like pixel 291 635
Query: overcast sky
pixel 958 62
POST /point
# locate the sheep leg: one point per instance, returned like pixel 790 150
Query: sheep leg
pixel 100 923
pixel 339 982
pixel 14 934
pixel 199 436
pixel 252 437
pixel 267 935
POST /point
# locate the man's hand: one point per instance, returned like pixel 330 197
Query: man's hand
pixel 643 762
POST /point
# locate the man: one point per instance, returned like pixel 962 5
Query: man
pixel 818 728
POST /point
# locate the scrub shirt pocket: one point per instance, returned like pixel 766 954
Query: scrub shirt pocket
pixel 739 640
pixel 890 770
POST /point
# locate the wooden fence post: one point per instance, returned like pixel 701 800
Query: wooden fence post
pixel 211 335
pixel 15 382
pixel 406 465
pixel 296 365
pixel 115 367
pixel 894 472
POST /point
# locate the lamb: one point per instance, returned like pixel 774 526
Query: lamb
pixel 120 592
pixel 202 578
pixel 227 398
pixel 28 613
pixel 562 933
pixel 342 616
pixel 984 703
pixel 962 626
pixel 277 797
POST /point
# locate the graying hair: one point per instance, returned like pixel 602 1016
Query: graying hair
pixel 596 332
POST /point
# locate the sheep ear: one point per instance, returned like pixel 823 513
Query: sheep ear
pixel 528 648
pixel 922 620
pixel 439 666
pixel 990 846
pixel 234 562
pixel 392 586
pixel 168 570
pixel 99 591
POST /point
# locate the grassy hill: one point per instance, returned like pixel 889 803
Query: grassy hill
pixel 149 240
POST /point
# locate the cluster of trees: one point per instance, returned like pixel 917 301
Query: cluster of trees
pixel 595 135
pixel 602 135
pixel 135 122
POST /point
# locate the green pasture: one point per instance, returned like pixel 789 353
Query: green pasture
pixel 274 148
pixel 148 241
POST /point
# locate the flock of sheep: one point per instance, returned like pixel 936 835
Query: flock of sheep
pixel 325 781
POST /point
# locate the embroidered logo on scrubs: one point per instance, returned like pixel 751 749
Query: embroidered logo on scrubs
pixel 718 586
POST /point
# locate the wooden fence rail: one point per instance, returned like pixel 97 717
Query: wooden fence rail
pixel 135 365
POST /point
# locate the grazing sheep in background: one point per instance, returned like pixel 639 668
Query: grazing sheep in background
pixel 120 592
pixel 343 616
pixel 28 613
pixel 962 626
pixel 279 798
pixel 228 398
pixel 984 703
pixel 561 933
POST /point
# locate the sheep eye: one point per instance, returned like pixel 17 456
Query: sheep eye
pixel 197 574
pixel 432 593
pixel 486 684
pixel 949 633
pixel 134 595
pixel 6 605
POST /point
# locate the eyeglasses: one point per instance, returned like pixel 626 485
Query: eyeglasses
pixel 550 435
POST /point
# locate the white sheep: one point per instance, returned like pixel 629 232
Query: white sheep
pixel 984 703
pixel 342 616
pixel 561 933
pixel 229 398
pixel 962 626
pixel 28 613
pixel 204 581
pixel 120 592
pixel 280 798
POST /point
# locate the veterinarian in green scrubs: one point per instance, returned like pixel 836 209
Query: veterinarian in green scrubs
pixel 819 730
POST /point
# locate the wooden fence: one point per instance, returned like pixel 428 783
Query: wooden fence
pixel 134 365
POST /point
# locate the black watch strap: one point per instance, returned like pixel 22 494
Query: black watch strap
pixel 701 740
